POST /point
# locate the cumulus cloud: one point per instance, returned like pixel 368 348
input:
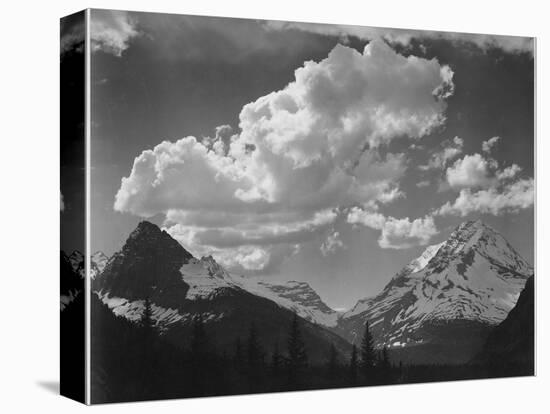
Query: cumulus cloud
pixel 486 146
pixel 486 189
pixel 476 171
pixel 451 149
pixel 111 31
pixel 471 171
pixel 404 37
pixel 509 172
pixel 395 233
pixel 301 154
pixel 332 244
pixel 511 198
pixel 221 141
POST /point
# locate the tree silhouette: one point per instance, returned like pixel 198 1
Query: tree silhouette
pixel 276 360
pixel 238 357
pixel 353 365
pixel 368 353
pixel 332 362
pixel 254 350
pixel 199 341
pixel 147 359
pixel 254 359
pixel 200 357
pixel 147 317
pixel 386 364
pixel 297 356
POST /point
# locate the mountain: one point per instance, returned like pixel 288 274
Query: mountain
pixel 76 260
pixel 71 280
pixel 154 266
pixel 296 296
pixel 513 340
pixel 72 269
pixel 441 306
pixel 147 265
pixel 98 261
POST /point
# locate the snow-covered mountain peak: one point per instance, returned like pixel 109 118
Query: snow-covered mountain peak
pixel 99 258
pixel 213 267
pixel 473 277
pixel 206 278
pixel 476 237
pixel 98 261
pixel 422 261
pixel 76 259
pixel 297 296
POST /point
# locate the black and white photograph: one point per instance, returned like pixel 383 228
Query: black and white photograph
pixel 283 206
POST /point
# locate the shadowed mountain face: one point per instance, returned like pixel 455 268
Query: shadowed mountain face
pixel 71 279
pixel 153 266
pixel 147 266
pixel 510 347
pixel 442 305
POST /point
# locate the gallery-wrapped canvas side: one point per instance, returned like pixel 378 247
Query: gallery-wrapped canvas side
pixel 72 206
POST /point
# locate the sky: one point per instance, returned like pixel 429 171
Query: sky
pixel 327 154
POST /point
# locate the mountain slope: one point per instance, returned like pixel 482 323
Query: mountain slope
pixel 153 266
pixel 98 261
pixel 449 297
pixel 513 340
pixel 296 296
pixel 71 279
pixel 147 265
pixel 72 273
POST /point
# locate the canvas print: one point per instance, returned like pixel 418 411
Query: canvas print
pixel 280 206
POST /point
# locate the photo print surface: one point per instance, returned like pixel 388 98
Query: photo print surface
pixel 280 206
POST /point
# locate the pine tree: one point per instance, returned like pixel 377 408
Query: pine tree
pixel 297 356
pixel 199 342
pixel 332 362
pixel 368 353
pixel 238 357
pixel 147 360
pixel 384 367
pixel 386 364
pixel 147 317
pixel 276 360
pixel 353 365
pixel 254 351
pixel 200 356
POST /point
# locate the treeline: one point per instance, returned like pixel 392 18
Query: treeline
pixel 132 361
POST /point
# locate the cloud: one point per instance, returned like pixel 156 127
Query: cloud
pixel 511 198
pixel 404 37
pixel 486 189
pixel 509 172
pixel 111 31
pixel 424 183
pixel 395 233
pixel 332 244
pixel 301 154
pixel 221 141
pixel 72 34
pixel 486 146
pixel 439 160
pixel 471 171
pixel 476 171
